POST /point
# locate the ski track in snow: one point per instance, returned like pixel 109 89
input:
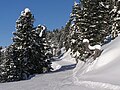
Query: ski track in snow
pixel 92 84
pixel 95 85
pixel 100 85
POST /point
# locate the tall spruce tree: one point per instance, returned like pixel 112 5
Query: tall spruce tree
pixel 96 20
pixel 9 71
pixel 27 55
pixel 30 44
pixel 91 20
pixel 115 19
pixel 67 35
pixel 76 32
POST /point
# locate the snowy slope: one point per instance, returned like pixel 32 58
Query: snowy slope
pixel 102 74
pixel 67 57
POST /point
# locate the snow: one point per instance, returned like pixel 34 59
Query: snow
pixel 41 33
pixel 85 40
pixel 55 66
pixel 67 57
pixel 118 18
pixel 107 6
pixel 73 40
pixel 104 71
pixel 63 50
pixel 93 25
pixel 98 47
pixel 3 50
pixel 102 4
pixel 75 3
pixel 118 12
pixel 43 27
pixel 114 10
pixel 23 13
pixel 27 10
pixel 100 74
pixel 91 47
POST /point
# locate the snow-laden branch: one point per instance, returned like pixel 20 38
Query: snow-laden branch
pixel 95 48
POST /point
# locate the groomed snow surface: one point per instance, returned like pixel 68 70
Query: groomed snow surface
pixel 101 74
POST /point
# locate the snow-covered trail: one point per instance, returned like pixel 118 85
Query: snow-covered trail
pixel 61 79
pixel 49 81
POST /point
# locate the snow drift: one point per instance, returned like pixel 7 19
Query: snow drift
pixel 104 72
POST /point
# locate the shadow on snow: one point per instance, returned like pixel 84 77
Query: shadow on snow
pixel 65 68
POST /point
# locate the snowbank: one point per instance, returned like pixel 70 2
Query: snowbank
pixel 67 57
pixel 102 73
pixel 55 66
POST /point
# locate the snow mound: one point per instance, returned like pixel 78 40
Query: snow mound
pixel 98 47
pixel 103 72
pixel 67 57
pixel 85 40
pixel 55 66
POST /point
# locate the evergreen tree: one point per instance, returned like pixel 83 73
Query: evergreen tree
pixel 56 40
pixel 9 72
pixel 96 20
pixel 91 20
pixel 67 35
pixel 115 19
pixel 46 52
pixel 76 32
pixel 27 55
pixel 30 43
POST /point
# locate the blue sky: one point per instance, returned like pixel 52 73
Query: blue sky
pixel 52 13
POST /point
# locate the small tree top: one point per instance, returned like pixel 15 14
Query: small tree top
pixel 27 10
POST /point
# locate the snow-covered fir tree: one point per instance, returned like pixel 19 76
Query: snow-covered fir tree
pixel 91 20
pixel 53 40
pixel 96 20
pixel 115 19
pixel 56 40
pixel 8 67
pixel 27 55
pixel 76 34
pixel 67 35
pixel 45 47
pixel 30 43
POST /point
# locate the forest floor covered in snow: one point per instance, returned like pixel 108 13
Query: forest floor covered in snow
pixel 101 74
